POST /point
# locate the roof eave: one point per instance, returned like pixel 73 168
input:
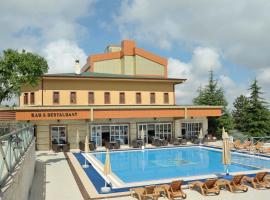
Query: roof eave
pixel 116 78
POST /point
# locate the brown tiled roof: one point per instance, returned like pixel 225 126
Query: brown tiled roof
pixel 6 115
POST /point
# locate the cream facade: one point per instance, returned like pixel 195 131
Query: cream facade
pixel 130 65
pixel 43 94
pixel 127 59
pixel 117 96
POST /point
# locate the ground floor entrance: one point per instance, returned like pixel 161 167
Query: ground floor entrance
pixel 115 132
pixel 58 134
pixel 149 131
pixel 191 130
pixel 101 134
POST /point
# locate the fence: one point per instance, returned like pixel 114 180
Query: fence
pixel 265 139
pixel 12 148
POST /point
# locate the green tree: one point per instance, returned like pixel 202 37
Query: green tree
pixel 240 112
pixel 212 94
pixel 258 117
pixel 17 69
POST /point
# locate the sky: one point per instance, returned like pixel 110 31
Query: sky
pixel 227 36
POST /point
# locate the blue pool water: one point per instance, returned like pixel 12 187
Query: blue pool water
pixel 134 166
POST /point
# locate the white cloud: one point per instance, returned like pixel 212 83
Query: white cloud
pixel 48 27
pixel 61 55
pixel 231 89
pixel 197 73
pixel 240 28
pixel 33 24
pixel 205 59
pixel 264 81
pixel 41 19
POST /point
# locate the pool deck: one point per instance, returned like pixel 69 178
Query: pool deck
pixel 55 179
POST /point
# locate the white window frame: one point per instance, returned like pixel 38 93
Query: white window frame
pixel 58 133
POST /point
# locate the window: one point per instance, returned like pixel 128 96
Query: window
pixel 138 98
pixel 56 97
pixel 119 132
pixel 107 98
pixel 58 134
pixel 91 98
pixel 32 98
pixel 25 98
pixel 163 130
pixel 166 98
pixel 122 98
pixel 72 97
pixel 152 98
pixel 154 130
pixel 191 130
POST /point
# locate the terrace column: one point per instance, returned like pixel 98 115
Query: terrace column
pixel 177 128
pixel 133 132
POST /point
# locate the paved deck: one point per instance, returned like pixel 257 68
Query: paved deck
pixel 53 179
pixel 252 194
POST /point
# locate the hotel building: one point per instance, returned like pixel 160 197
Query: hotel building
pixel 114 96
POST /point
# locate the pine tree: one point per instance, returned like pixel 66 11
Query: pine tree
pixel 240 112
pixel 258 117
pixel 213 95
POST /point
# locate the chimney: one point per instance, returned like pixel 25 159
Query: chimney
pixel 77 67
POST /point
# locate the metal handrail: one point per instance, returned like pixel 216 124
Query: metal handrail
pixel 260 139
pixel 12 147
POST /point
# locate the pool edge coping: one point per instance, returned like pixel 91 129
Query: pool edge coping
pixel 98 195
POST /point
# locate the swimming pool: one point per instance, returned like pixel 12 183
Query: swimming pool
pixel 166 163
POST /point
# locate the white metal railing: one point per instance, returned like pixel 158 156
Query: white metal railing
pixel 12 147
pixel 265 139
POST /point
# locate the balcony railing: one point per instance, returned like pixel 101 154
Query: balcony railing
pixel 12 147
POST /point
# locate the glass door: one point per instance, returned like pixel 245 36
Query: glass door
pixel 191 130
pixel 119 132
pixel 58 134
pixel 96 134
pixel 163 130
pixel 143 132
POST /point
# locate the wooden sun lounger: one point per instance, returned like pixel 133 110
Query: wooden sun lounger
pixel 265 150
pixel 236 184
pixel 137 192
pixel 245 145
pixel 236 143
pixel 256 147
pixel 174 190
pixel 259 181
pixel 150 192
pixel 209 186
pixel 145 193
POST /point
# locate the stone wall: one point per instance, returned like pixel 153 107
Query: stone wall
pixel 18 185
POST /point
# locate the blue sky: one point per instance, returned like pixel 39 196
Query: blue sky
pixel 194 36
